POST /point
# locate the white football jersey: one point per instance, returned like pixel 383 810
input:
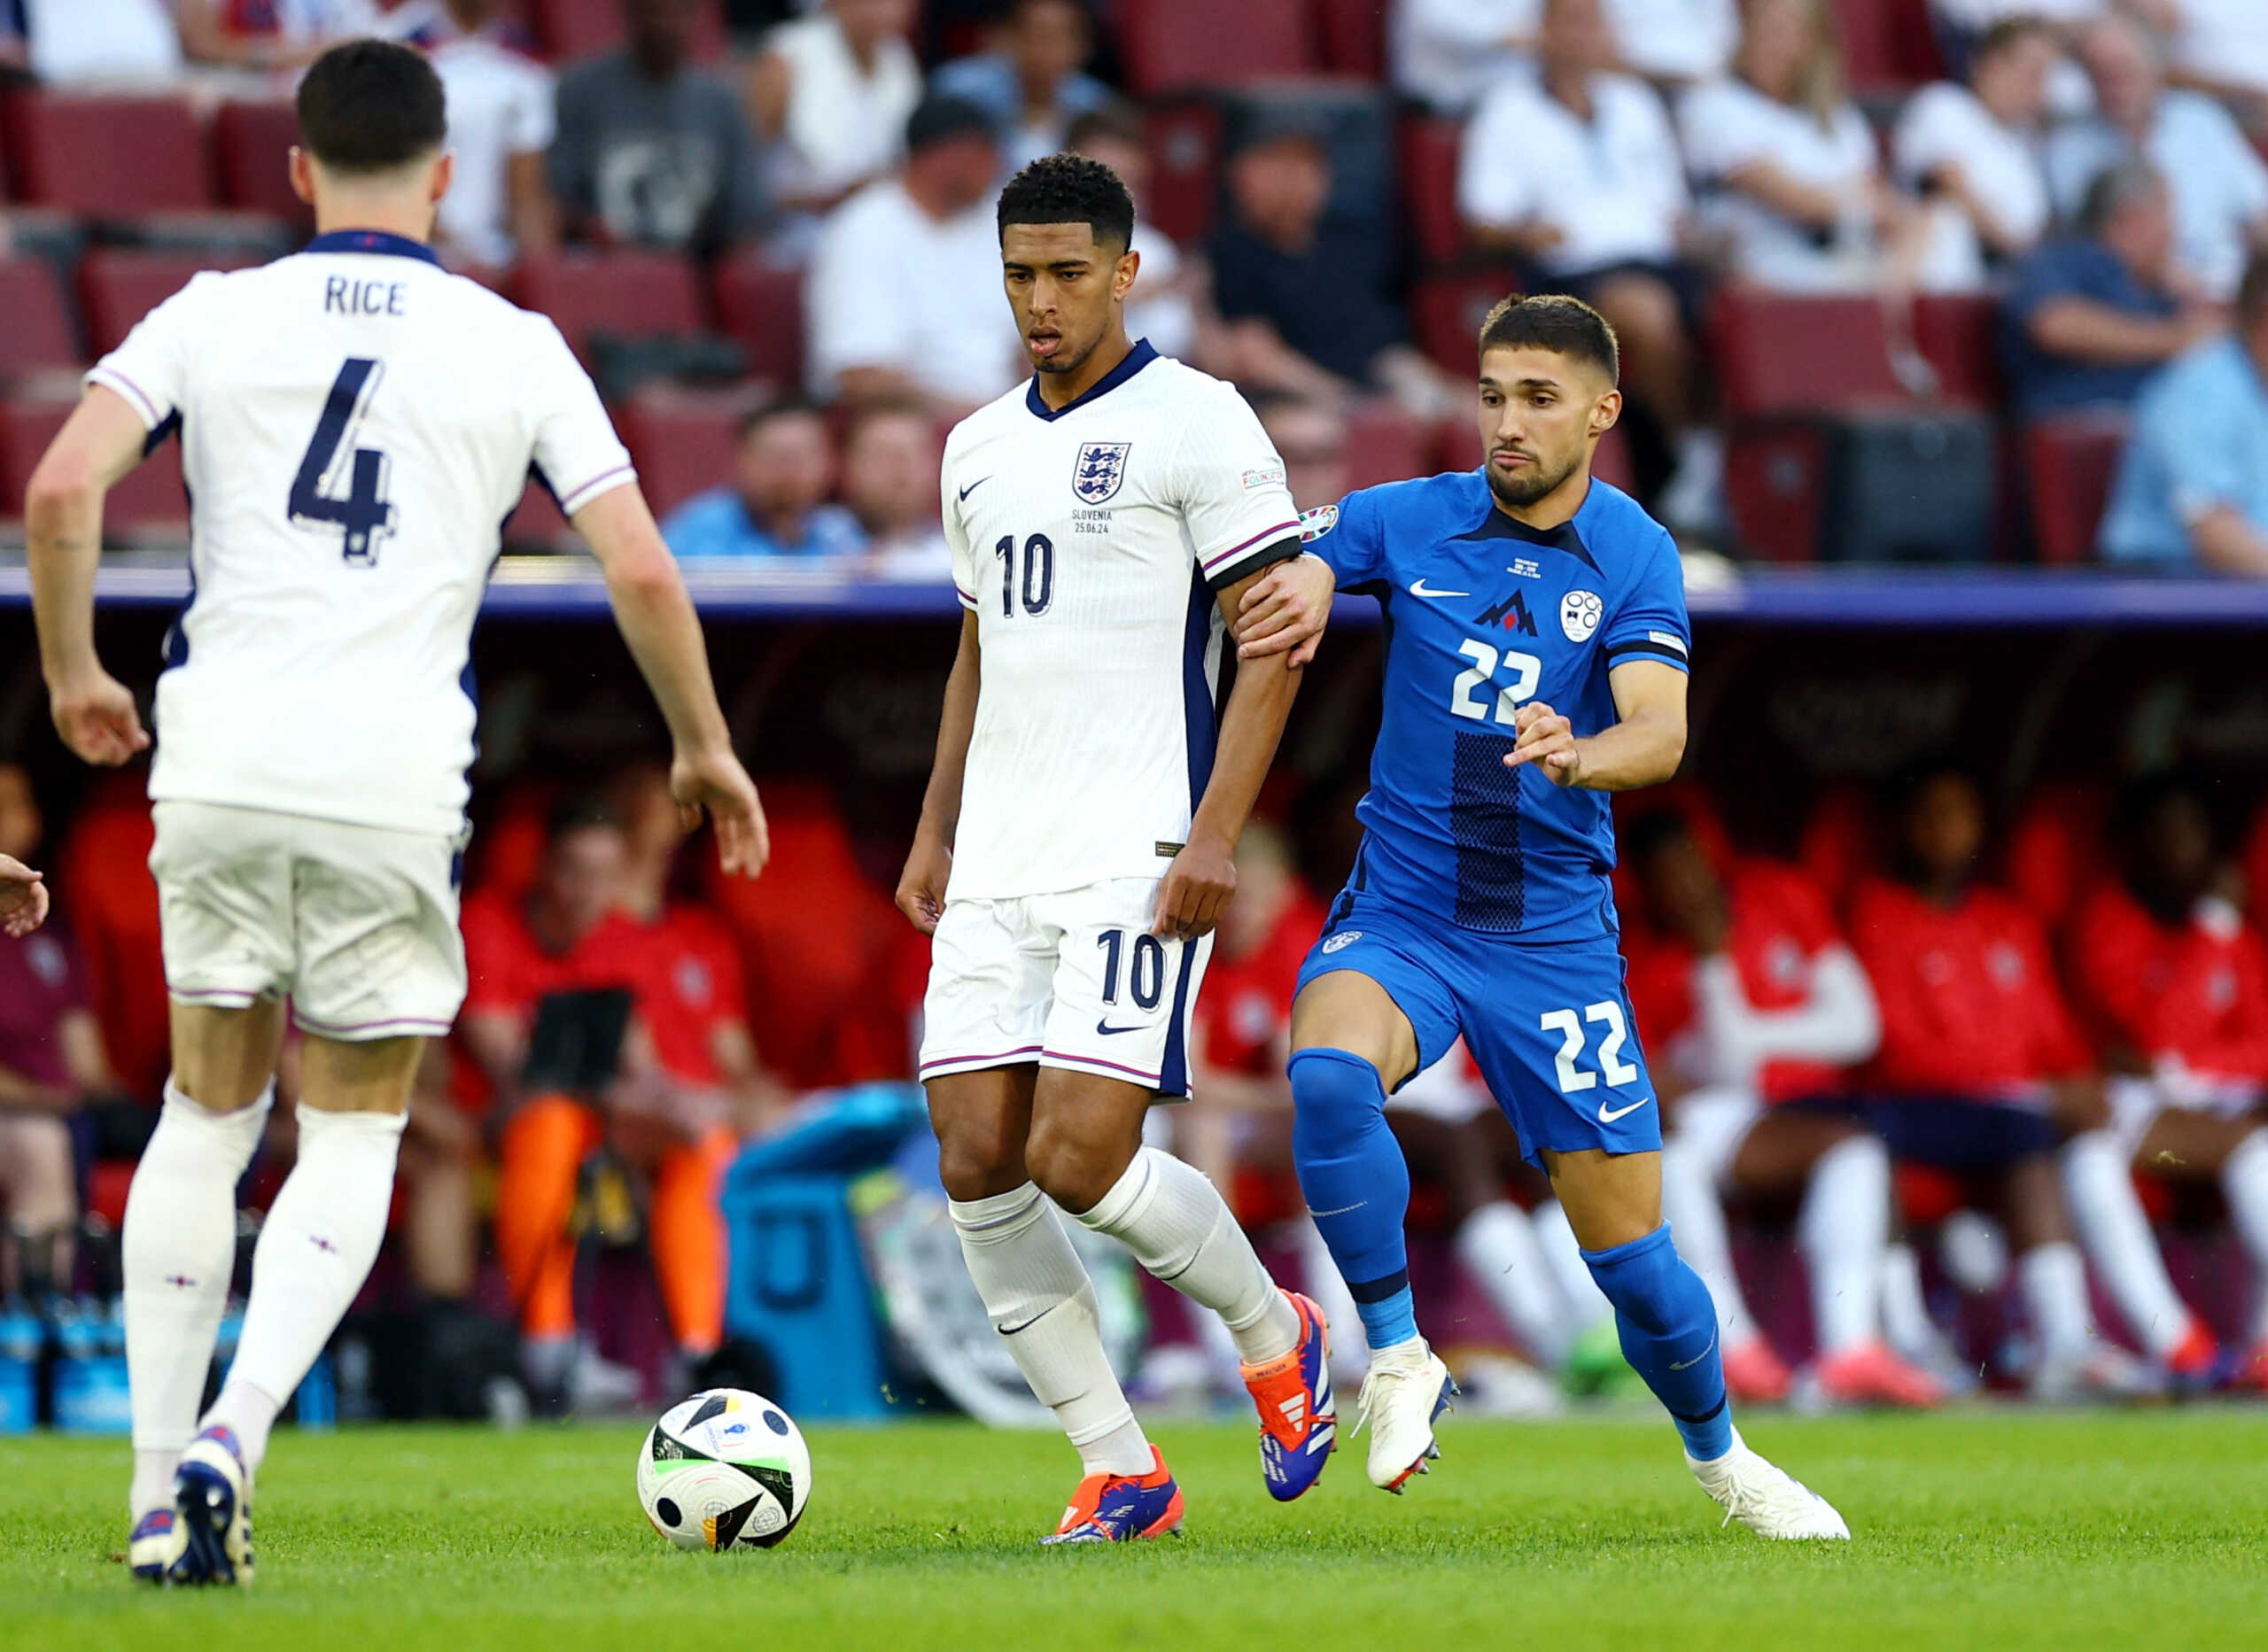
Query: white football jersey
pixel 1088 542
pixel 356 425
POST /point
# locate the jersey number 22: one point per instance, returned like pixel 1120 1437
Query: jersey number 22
pixel 332 461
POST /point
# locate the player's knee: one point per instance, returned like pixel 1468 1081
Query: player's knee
pixel 1337 1097
pixel 1074 1170
pixel 979 1158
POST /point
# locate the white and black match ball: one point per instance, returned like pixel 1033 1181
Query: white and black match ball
pixel 725 1469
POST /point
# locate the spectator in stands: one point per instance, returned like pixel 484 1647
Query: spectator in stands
pixel 1577 171
pixel 2177 985
pixel 2219 184
pixel 2192 484
pixel 1752 1003
pixel 1030 80
pixel 1786 166
pixel 51 1061
pixel 1674 43
pixel 889 483
pixel 2221 46
pixel 1447 53
pixel 1169 304
pixel 1978 146
pixel 2091 316
pixel 501 109
pixel 1304 294
pixel 71 42
pixel 651 149
pixel 269 34
pixel 1311 438
pixel 904 296
pixel 1981 1071
pixel 831 93
pixel 775 506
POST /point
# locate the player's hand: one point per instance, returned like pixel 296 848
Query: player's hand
pixel 98 719
pixel 1196 891
pixel 715 780
pixel 922 885
pixel 23 899
pixel 1286 607
pixel 1548 741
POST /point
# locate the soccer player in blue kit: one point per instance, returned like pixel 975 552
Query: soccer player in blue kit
pixel 1536 660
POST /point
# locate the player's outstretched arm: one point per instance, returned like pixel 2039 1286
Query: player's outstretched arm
pixel 1203 877
pixel 922 885
pixel 23 898
pixel 658 622
pixel 1643 749
pixel 1287 608
pixel 100 442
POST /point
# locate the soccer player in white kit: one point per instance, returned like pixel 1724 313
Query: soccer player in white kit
pixel 357 423
pixel 1074 849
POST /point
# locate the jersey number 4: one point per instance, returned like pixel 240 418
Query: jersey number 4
pixel 340 485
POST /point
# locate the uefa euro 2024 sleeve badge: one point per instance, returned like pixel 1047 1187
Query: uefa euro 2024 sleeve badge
pixel 1101 469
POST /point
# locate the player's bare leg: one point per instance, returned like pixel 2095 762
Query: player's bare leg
pixel 179 1248
pixel 1614 1203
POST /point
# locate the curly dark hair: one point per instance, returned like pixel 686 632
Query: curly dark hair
pixel 1070 190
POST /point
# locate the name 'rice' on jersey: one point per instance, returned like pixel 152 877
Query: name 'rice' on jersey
pixel 1089 541
pixel 356 425
pixel 1484 615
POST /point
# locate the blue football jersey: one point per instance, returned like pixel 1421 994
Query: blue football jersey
pixel 1484 615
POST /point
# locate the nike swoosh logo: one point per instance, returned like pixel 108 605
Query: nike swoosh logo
pixel 1698 1357
pixel 1108 1031
pixel 1418 588
pixel 1605 1116
pixel 972 486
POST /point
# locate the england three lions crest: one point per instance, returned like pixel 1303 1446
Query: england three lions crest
pixel 1101 469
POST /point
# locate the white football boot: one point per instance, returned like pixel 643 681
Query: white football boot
pixel 156 1545
pixel 1407 1387
pixel 213 1507
pixel 1770 1501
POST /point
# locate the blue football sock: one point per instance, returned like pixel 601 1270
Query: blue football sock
pixel 1669 1335
pixel 1357 1184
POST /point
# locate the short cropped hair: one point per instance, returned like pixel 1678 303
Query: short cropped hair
pixel 1070 190
pixel 777 407
pixel 1554 321
pixel 371 105
pixel 2116 188
pixel 580 812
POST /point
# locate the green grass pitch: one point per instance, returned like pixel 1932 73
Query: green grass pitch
pixel 1984 1528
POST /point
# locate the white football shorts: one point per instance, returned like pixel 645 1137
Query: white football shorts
pixel 357 925
pixel 1073 981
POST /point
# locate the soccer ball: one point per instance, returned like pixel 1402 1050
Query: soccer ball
pixel 725 1469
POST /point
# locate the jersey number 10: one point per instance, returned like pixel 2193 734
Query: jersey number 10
pixel 1039 574
pixel 362 515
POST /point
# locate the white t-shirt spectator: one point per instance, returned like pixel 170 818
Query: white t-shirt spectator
pixel 500 104
pixel 842 124
pixel 1675 40
pixel 1727 124
pixel 1168 320
pixel 102 40
pixel 2219 184
pixel 892 287
pixel 1947 124
pixel 2225 42
pixel 1612 186
pixel 1448 52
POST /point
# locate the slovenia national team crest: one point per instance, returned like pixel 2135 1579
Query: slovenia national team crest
pixel 1579 614
pixel 1101 469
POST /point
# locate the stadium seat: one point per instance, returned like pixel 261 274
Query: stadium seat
pixel 105 862
pixel 1888 46
pixel 537 524
pixel 1446 308
pixel 1774 483
pixel 1836 845
pixel 118 286
pixel 1385 444
pixel 106 157
pixel 39 333
pixel 569 29
pixel 149 499
pixel 1957 334
pixel 1429 159
pixel 1780 353
pixel 1172 46
pixel 760 307
pixel 1185 143
pixel 683 441
pixel 252 145
pixel 636 294
pixel 2068 464
pixel 1352 36
pixel 2053 852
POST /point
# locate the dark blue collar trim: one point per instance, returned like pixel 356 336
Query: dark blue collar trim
pixel 373 241
pixel 1566 536
pixel 1139 357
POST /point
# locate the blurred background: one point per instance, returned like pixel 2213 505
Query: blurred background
pixel 1945 327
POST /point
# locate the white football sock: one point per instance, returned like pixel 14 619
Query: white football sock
pixel 178 1253
pixel 2054 1285
pixel 1497 1246
pixel 2108 1216
pixel 1320 1277
pixel 315 1250
pixel 1843 1229
pixel 1696 1219
pixel 1043 1304
pixel 1905 1323
pixel 2244 1186
pixel 1587 1304
pixel 1180 1227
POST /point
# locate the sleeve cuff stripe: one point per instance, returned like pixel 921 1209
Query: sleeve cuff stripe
pixel 1278 531
pixel 1647 645
pixel 131 390
pixel 574 500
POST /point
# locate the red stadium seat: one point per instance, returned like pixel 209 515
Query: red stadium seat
pixel 1185 144
pixel 2069 463
pixel 683 441
pixel 1888 45
pixel 635 293
pixel 252 145
pixel 104 863
pixel 2053 852
pixel 1352 34
pixel 118 286
pixel 1957 334
pixel 38 333
pixel 1838 847
pixel 1171 45
pixel 536 523
pixel 149 499
pixel 1774 482
pixel 569 29
pixel 760 307
pixel 1780 353
pixel 1446 311
pixel 1384 444
pixel 1429 158
pixel 105 157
